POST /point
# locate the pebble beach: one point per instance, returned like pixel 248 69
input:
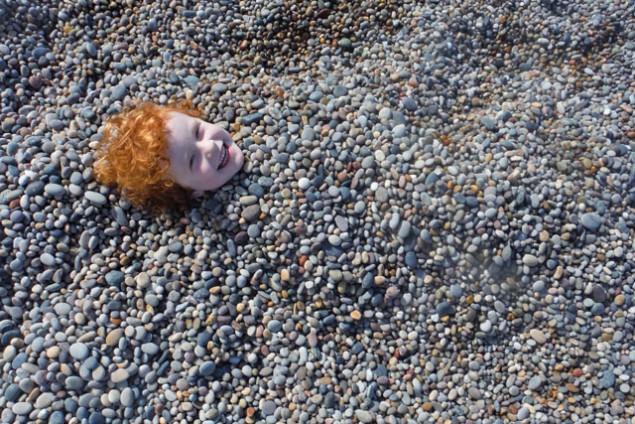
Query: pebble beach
pixel 434 222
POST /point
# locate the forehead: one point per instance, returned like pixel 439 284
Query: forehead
pixel 177 122
pixel 178 128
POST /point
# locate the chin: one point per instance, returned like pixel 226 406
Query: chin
pixel 239 155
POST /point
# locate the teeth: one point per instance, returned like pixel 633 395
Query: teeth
pixel 223 157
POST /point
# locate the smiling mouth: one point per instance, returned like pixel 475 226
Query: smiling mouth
pixel 224 159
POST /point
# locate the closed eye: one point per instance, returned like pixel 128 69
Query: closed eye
pixel 192 162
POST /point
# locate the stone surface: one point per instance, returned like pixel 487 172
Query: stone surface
pixel 433 221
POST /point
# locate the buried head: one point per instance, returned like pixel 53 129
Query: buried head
pixel 158 155
pixel 202 155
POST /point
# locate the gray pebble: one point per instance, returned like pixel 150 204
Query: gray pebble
pixel 54 190
pixel 251 213
pixel 91 49
pixel 530 260
pixel 523 413
pixel 207 368
pixel 79 351
pixel 127 397
pixel 363 416
pixel 534 383
pixel 219 88
pixel 95 198
pixel 118 92
pixel 252 118
pixel 591 221
pixel 22 408
pixel 268 408
pixel 119 375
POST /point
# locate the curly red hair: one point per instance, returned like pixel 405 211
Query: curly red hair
pixel 132 156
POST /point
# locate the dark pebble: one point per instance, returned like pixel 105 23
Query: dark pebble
pixel 207 368
pixel 488 123
pixel 91 49
pixel 411 259
pixel 445 309
pixel 96 418
pixel 12 393
pixel 598 294
pixel 252 118
pixel 409 104
pixel 57 417
pixel 115 277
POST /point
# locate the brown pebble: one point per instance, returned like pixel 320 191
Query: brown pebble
pixel 284 275
pixel 538 335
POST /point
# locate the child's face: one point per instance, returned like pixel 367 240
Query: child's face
pixel 202 156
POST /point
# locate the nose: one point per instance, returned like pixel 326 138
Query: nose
pixel 210 148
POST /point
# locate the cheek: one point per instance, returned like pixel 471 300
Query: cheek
pixel 207 175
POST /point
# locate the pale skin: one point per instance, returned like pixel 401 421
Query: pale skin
pixel 202 156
